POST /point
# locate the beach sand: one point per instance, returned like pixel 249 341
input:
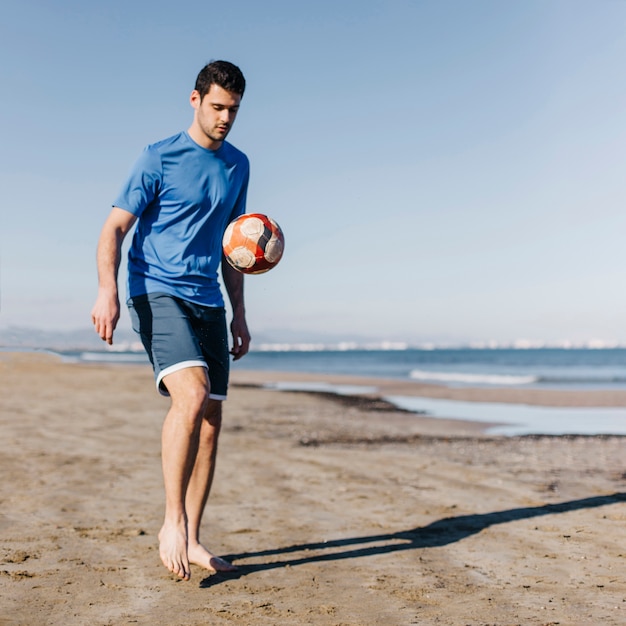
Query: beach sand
pixel 338 511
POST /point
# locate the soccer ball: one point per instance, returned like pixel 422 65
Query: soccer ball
pixel 253 243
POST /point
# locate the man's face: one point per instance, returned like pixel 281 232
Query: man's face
pixel 214 115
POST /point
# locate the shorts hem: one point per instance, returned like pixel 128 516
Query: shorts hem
pixel 175 368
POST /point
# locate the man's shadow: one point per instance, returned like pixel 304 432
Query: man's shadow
pixel 440 533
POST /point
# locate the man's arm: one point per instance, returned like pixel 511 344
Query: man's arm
pixel 233 281
pixel 106 311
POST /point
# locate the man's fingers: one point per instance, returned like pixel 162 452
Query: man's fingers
pixel 104 330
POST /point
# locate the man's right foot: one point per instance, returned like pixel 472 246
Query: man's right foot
pixel 173 549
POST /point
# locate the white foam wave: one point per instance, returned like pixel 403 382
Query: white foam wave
pixel 471 379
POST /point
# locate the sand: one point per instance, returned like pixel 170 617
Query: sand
pixel 338 511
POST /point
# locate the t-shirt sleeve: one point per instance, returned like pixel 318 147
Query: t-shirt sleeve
pixel 240 204
pixel 142 185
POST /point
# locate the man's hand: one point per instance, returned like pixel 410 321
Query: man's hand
pixel 233 281
pixel 106 311
pixel 241 337
pixel 105 314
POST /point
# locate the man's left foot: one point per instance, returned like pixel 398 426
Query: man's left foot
pixel 199 555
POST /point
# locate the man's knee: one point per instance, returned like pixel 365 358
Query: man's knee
pixel 189 390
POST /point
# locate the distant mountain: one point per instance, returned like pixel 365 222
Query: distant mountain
pixel 86 339
pixel 80 339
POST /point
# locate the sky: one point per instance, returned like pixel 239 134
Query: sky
pixel 443 170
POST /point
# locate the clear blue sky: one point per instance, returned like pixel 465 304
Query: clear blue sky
pixel 443 170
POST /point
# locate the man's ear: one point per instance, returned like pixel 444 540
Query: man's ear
pixel 195 99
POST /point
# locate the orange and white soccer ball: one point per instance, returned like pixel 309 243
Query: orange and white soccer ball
pixel 253 243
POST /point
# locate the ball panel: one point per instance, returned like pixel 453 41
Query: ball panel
pixel 252 228
pixel 228 234
pixel 273 250
pixel 242 257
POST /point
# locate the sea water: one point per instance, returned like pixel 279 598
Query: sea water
pixel 545 368
pixel 538 368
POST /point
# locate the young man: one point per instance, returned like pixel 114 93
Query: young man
pixel 182 192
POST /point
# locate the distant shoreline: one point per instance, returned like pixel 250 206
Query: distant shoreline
pixel 503 410
pixel 391 386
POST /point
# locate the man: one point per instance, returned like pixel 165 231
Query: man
pixel 182 193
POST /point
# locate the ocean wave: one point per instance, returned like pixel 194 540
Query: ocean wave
pixel 474 379
pixel 566 380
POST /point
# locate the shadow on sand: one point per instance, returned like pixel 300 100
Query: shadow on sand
pixel 440 533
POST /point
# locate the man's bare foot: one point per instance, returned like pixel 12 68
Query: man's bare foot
pixel 173 549
pixel 199 555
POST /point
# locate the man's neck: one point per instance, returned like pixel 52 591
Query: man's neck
pixel 202 139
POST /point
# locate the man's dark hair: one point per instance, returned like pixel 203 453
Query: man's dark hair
pixel 222 73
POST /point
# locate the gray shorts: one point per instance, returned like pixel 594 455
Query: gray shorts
pixel 178 334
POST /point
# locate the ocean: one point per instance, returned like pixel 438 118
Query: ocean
pixel 541 368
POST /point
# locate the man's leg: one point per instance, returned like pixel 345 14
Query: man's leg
pixel 189 390
pixel 200 487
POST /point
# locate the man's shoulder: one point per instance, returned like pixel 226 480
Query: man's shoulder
pixel 233 154
pixel 166 144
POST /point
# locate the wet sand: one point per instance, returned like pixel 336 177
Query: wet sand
pixel 337 510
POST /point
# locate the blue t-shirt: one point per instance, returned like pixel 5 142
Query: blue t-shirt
pixel 184 196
